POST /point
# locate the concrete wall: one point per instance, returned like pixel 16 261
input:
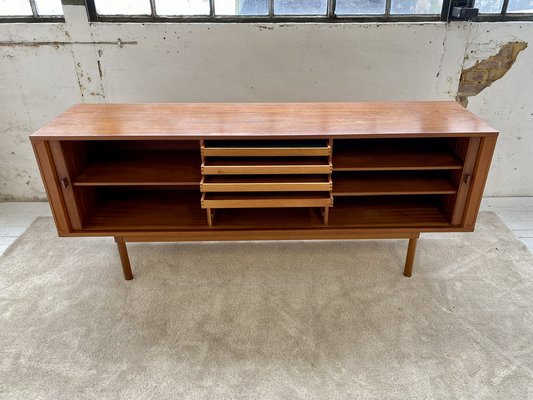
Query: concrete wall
pixel 78 61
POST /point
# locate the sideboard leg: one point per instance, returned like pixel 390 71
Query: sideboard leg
pixel 124 259
pixel 410 258
pixel 325 215
pixel 209 217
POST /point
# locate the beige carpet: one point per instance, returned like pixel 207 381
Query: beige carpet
pixel 270 320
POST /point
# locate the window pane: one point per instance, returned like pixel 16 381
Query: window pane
pixel 416 6
pixel 182 7
pixel 520 6
pixel 241 7
pixel 489 6
pixel 49 7
pixel 123 7
pixel 300 7
pixel 15 7
pixel 360 7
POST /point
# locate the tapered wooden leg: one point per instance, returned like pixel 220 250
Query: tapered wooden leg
pixel 410 258
pixel 124 259
pixel 325 214
pixel 209 217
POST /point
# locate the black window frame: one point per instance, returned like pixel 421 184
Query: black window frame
pixel 502 16
pixel 331 17
pixel 35 17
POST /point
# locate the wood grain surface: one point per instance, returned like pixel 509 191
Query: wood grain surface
pixel 257 120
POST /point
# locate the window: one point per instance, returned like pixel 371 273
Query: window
pixel 520 6
pixel 31 10
pixel 504 10
pixel 264 10
pixel 489 6
pixel 299 10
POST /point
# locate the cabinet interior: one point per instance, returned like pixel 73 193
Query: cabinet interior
pixel 172 184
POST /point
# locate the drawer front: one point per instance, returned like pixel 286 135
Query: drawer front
pixel 270 202
pixel 265 169
pixel 265 151
pixel 266 148
pixel 266 187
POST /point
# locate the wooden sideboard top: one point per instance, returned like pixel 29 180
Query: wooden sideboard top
pixel 256 120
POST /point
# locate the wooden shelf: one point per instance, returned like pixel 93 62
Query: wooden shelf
pixel 265 183
pixel 266 200
pixel 143 168
pixel 138 210
pixel 409 154
pixel 268 166
pixel 118 209
pixel 387 211
pixel 377 183
pixel 361 212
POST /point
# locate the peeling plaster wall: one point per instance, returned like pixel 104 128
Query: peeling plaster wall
pixel 36 83
pixel 254 62
pixel 508 106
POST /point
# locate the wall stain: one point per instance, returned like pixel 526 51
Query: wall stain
pixel 485 72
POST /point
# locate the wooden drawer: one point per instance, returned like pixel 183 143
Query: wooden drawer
pixel 269 148
pixel 266 183
pixel 266 151
pixel 266 200
pixel 252 166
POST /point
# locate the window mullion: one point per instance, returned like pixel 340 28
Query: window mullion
pixel 34 8
pixel 387 8
pixel 270 8
pixel 504 7
pixel 445 12
pixel 211 8
pixel 152 6
pixel 332 4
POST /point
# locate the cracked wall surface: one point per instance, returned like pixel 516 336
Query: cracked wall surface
pixel 84 62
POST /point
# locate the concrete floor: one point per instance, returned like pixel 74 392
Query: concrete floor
pixel 515 212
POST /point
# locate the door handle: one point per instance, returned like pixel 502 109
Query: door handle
pixel 64 183
pixel 466 179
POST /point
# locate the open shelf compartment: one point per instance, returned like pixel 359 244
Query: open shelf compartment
pixel 134 163
pixel 373 183
pixel 396 154
pixel 137 209
pixel 389 211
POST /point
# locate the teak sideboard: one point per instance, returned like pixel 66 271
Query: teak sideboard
pixel 262 171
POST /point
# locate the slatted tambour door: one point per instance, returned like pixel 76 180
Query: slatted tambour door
pixel 266 174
